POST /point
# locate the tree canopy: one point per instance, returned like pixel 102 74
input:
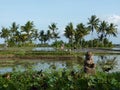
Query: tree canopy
pixel 27 34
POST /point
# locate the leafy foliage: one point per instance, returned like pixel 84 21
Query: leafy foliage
pixel 62 79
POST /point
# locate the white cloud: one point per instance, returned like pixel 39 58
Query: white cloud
pixel 114 19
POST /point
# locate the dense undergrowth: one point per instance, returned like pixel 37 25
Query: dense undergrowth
pixel 62 79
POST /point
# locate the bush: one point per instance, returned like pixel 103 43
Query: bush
pixel 67 79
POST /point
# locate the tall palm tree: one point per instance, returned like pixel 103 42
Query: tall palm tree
pixel 35 35
pixel 5 33
pixel 41 36
pixel 93 23
pixel 70 32
pixel 44 37
pixel 102 31
pixel 14 32
pixel 112 30
pixel 48 35
pixel 29 30
pixel 54 33
pixel 14 27
pixel 18 37
pixel 23 38
pixel 80 32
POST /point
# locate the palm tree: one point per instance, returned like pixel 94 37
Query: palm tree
pixel 5 33
pixel 23 38
pixel 54 34
pixel 14 33
pixel 18 37
pixel 41 36
pixel 70 32
pixel 112 30
pixel 29 30
pixel 93 23
pixel 102 31
pixel 14 28
pixel 80 32
pixel 48 35
pixel 35 35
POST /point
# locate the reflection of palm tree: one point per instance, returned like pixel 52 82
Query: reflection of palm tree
pixel 69 32
pixel 93 23
pixel 106 63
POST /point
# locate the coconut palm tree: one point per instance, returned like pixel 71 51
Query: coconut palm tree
pixel 14 27
pixel 41 36
pixel 5 33
pixel 29 30
pixel 44 37
pixel 54 33
pixel 14 32
pixel 23 38
pixel 80 32
pixel 18 37
pixel 93 23
pixel 102 31
pixel 112 30
pixel 35 35
pixel 70 32
pixel 48 35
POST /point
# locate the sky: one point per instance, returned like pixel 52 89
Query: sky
pixel 62 12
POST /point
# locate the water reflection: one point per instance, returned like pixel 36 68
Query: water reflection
pixel 22 65
pixel 107 64
pixel 44 49
pixel 112 57
pixel 5 70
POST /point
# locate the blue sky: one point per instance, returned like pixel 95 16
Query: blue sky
pixel 45 12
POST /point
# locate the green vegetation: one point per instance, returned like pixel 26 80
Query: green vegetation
pixel 26 35
pixel 70 77
pixel 18 53
pixel 62 79
pixel 19 44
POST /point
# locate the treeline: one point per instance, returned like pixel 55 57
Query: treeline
pixel 17 35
